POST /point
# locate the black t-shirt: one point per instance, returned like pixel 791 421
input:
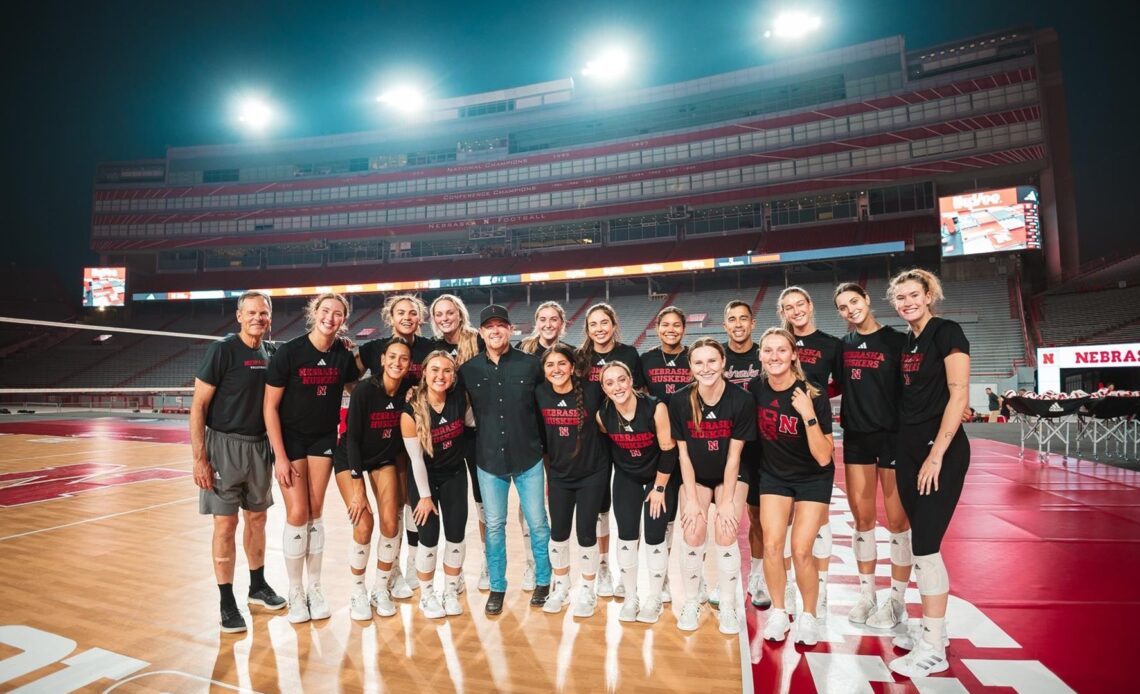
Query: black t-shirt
pixel 924 390
pixel 634 442
pixel 741 367
pixel 371 351
pixel 732 417
pixel 562 421
pixel 627 355
pixel 373 425
pixel 453 350
pixel 785 453
pixel 446 434
pixel 819 355
pixel 665 374
pixel 238 375
pixel 313 381
pixel 870 380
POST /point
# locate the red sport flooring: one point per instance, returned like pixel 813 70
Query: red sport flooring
pixel 1042 556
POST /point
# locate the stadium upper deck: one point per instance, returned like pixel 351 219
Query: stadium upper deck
pixel 862 132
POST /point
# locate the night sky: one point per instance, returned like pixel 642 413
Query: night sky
pixel 105 81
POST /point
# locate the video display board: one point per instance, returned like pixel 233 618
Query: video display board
pixel 104 286
pixel 990 221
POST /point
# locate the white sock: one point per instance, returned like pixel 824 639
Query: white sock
pixel 932 630
pixel 898 591
pixel 316 553
pixel 757 566
pixel 387 551
pixel 627 566
pixel 692 563
pixel 728 573
pixel 657 560
pixel 588 565
pixel 294 544
pixel 450 582
pixel 867 585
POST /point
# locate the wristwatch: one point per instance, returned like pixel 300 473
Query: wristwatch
pixel 812 422
pixel 659 488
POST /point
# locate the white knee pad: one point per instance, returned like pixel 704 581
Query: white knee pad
pixel 930 574
pixel 316 536
pixel 479 512
pixel 454 554
pixel 900 549
pixel 387 548
pixel 863 544
pixel 627 553
pixel 559 554
pixel 358 556
pixel 588 560
pixel 821 549
pixel 425 560
pixel 603 529
pixel 295 541
pixel 788 543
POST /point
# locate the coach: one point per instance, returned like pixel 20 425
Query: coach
pixel 500 382
pixel 233 463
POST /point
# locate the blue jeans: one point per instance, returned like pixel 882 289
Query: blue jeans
pixel 532 492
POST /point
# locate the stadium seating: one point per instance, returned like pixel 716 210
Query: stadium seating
pixel 1099 316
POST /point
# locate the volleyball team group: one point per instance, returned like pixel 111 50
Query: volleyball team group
pixel 690 436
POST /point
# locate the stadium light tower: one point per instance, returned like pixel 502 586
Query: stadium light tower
pixel 405 99
pixel 794 24
pixel 255 114
pixel 610 66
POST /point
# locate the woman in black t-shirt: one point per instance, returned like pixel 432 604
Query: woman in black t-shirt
pixel 645 459
pixel 432 427
pixel 933 453
pixel 601 343
pixel 796 472
pixel 303 388
pixel 579 474
pixel 711 419
pixel 369 448
pixel 666 368
pixel 549 329
pixel 870 379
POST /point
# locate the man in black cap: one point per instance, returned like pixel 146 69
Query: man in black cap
pixel 500 382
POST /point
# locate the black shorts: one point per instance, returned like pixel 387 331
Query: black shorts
pixel 340 462
pixel 817 490
pixel 876 448
pixel 741 477
pixel 750 463
pixel 300 446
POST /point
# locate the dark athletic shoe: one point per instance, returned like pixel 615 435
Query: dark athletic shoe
pixel 232 621
pixel 538 597
pixel 265 597
pixel 495 602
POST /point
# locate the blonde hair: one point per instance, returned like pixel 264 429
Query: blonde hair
pixel 797 367
pixel 421 409
pixel 694 396
pixel 586 350
pixel 929 281
pixel 315 303
pixel 390 306
pixel 531 343
pixel 468 345
pixel 780 306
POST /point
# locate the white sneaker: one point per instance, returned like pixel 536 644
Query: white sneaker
pixel 729 620
pixel 298 606
pixel 318 607
pixel 629 609
pixel 905 638
pixel 713 597
pixel 619 590
pixel 398 585
pixel 759 591
pixel 924 660
pixel 777 627
pixel 864 607
pixel 805 631
pixel 586 602
pixel 429 605
pixel 359 607
pixel 605 581
pixel 556 601
pixel 790 599
pixel 821 604
pixel 690 616
pixel 666 595
pixel 650 611
pixel 528 576
pixel 702 592
pixel 484 578
pixel 451 604
pixel 887 616
pixel 382 601
pixel 412 580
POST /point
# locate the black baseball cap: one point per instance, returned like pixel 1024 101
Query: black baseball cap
pixel 493 311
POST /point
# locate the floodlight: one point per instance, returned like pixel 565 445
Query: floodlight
pixel 405 99
pixel 609 66
pixel 794 24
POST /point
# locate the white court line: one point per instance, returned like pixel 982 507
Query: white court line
pixel 58 455
pixel 207 680
pixel 99 518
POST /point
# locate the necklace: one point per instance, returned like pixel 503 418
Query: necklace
pixel 625 424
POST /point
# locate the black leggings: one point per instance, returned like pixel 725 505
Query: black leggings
pixel 929 514
pixel 630 505
pixel 449 492
pixel 579 500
